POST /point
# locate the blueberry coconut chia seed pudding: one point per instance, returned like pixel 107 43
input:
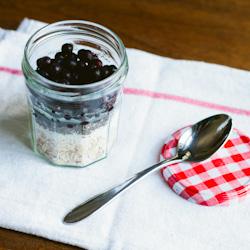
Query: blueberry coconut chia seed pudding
pixel 74 72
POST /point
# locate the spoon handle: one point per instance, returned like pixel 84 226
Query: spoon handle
pixel 93 204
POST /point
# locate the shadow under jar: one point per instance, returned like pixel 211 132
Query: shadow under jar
pixel 74 125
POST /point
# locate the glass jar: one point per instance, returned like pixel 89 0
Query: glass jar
pixel 74 125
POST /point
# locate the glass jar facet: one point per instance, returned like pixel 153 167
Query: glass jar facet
pixel 74 125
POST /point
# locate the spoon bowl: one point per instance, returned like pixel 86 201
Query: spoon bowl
pixel 197 143
pixel 204 138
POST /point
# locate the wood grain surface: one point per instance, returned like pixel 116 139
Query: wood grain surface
pixel 216 31
pixel 212 31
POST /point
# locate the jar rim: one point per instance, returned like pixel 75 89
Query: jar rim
pixel 83 86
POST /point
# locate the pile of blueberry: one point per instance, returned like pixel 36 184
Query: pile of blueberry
pixel 70 68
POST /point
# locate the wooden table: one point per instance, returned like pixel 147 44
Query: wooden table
pixel 212 31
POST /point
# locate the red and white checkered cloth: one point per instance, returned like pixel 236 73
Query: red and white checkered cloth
pixel 222 180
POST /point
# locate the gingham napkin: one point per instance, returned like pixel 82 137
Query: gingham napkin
pixel 161 95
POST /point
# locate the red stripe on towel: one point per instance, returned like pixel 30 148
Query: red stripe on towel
pixel 11 71
pixel 185 100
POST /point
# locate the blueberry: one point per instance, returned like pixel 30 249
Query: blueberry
pixel 106 71
pixel 43 62
pixel 66 74
pixel 81 65
pixel 110 106
pixel 60 55
pixel 96 74
pixel 85 55
pixel 43 73
pixel 71 64
pixel 84 123
pixel 67 48
pixel 55 69
pixel 75 79
pixel 112 68
pixel 65 82
pixel 58 61
pixel 97 63
pixel 85 76
pixel 67 116
pixel 95 56
pixel 60 58
pixel 73 56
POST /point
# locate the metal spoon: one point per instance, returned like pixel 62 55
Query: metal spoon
pixel 197 143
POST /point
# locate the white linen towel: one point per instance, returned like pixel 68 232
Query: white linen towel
pixel 161 95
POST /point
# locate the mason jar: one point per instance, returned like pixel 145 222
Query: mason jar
pixel 74 125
